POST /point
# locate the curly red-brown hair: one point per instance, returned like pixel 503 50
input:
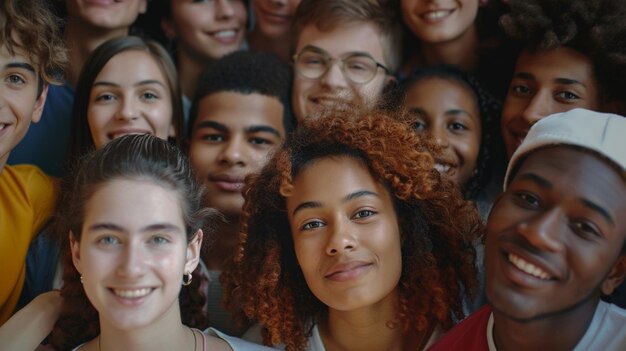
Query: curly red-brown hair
pixel 264 281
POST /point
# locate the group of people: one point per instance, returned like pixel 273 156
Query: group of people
pixel 312 175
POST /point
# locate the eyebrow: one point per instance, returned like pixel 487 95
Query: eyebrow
pixel 23 65
pixel 599 209
pixel 149 228
pixel 349 197
pixel 324 52
pixel 140 83
pixel 251 129
pixel 542 182
pixel 565 81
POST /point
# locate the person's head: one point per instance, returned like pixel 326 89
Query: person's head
pixel 204 30
pixel 241 113
pixel 556 236
pixel 351 192
pixel 345 52
pixel 460 115
pixel 273 18
pixel 573 56
pixel 128 85
pixel 439 22
pixel 109 16
pixel 134 215
pixel 31 56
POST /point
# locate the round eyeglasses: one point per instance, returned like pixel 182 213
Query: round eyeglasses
pixel 359 68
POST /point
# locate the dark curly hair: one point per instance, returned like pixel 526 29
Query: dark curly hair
pixel 128 157
pixel 30 25
pixel 595 28
pixel 246 72
pixel 264 281
pixel 491 145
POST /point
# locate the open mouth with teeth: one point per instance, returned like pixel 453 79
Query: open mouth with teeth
pixel 133 293
pixel 445 168
pixel 228 34
pixel 528 267
pixel 436 15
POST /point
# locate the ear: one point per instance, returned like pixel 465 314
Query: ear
pixel 75 249
pixel 40 103
pixel 167 25
pixel 193 251
pixel 616 277
pixel 143 7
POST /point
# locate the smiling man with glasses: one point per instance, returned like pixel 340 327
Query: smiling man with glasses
pixel 345 54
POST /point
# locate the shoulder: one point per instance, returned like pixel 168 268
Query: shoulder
pixel 27 181
pixel 470 334
pixel 236 344
pixel 607 330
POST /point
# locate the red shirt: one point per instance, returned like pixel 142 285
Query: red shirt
pixel 469 335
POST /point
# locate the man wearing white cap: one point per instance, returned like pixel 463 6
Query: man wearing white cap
pixel 556 242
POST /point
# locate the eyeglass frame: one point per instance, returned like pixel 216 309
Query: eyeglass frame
pixel 331 60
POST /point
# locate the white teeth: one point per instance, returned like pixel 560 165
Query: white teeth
pixel 528 267
pixel 436 14
pixel 132 294
pixel 225 34
pixel 441 168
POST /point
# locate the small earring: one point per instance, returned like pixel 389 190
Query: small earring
pixel 188 276
pixel 81 279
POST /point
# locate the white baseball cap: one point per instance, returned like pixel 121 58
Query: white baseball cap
pixel 603 133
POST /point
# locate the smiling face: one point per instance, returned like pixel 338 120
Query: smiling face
pixel 544 83
pixel 272 17
pixel 345 233
pixel 440 21
pixel 206 30
pixel 313 95
pixel 106 14
pixel 133 252
pixel 555 235
pixel 449 112
pixel 19 103
pixel 130 95
pixel 232 137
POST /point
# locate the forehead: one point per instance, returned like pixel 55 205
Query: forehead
pixel 440 92
pixel 576 174
pixel 239 111
pixel 131 65
pixel 342 39
pixel 19 55
pixel 560 62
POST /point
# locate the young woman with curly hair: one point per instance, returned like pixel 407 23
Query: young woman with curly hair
pixel 573 56
pixel 352 240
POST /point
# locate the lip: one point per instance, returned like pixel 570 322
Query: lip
pixel 436 15
pixel 226 36
pixel 275 18
pixel 131 296
pixel 228 183
pixel 346 271
pixel 126 131
pixel 522 277
pixel 102 2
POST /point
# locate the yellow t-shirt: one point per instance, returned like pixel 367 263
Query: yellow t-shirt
pixel 27 198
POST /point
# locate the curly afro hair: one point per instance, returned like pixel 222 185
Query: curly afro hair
pixel 593 27
pixel 264 281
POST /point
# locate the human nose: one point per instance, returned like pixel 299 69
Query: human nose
pixel 537 108
pixel 341 238
pixel 543 231
pixel 224 9
pixel 232 153
pixel 440 136
pixel 127 110
pixel 132 261
pixel 334 75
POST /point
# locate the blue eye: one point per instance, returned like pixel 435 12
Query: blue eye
pixel 108 240
pixel 15 80
pixel 105 97
pixel 312 225
pixel 159 240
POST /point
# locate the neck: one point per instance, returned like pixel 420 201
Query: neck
pixel 222 245
pixel 81 40
pixel 462 51
pixel 367 328
pixel 539 333
pixel 189 70
pixel 278 46
pixel 167 333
